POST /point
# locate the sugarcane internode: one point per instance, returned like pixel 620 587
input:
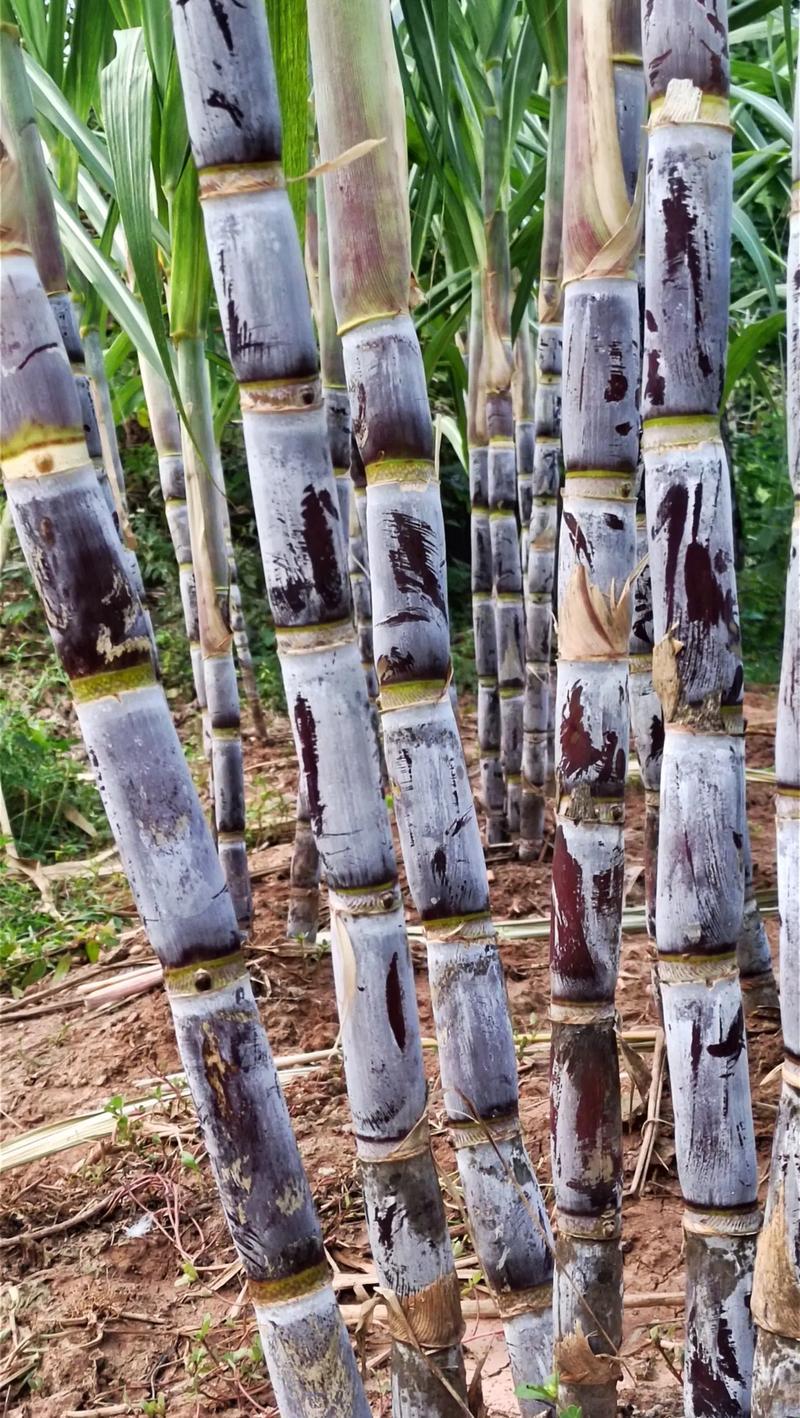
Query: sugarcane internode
pixel 698 674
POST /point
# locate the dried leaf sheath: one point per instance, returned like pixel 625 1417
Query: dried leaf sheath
pixel 100 635
pixel 596 567
pixel 224 47
pixel 367 209
pixel 776 1285
pixel 698 674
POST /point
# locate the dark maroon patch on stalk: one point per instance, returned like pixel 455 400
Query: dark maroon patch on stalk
pixel 654 67
pixel 319 516
pixel 614 522
pixel 569 950
pixel 217 99
pixel 651 322
pixel 656 735
pixel 385 1218
pixel 414 558
pixel 306 727
pixel 696 1048
pixel 577 536
pixel 732 1046
pixel 607 889
pixel 223 23
pixel 39 349
pixel 85 593
pixel 681 247
pixel 655 386
pixel 709 1390
pixel 672 514
pixel 439 863
pixel 578 752
pixel 394 1003
pixel 617 385
pixel 622 428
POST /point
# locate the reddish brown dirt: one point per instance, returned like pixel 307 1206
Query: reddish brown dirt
pixel 100 1320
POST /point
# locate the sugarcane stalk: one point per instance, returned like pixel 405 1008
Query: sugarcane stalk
pixel 523 400
pixel 545 483
pixel 759 990
pixel 596 566
pixel 501 469
pixel 483 620
pixel 49 257
pixel 304 873
pixel 166 431
pixel 367 206
pixel 241 639
pixel 204 497
pixel 101 637
pixel 361 591
pixel 223 48
pixel 189 290
pixel 647 720
pixel 698 676
pixel 776 1285
pixel 101 398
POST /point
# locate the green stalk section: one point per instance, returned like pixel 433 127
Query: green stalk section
pixel 359 98
pixel 224 49
pixel 101 637
pixel 241 639
pixel 698 675
pixel 208 532
pixel 49 258
pixel 596 564
pixel 483 620
pixel 540 567
pixel 502 461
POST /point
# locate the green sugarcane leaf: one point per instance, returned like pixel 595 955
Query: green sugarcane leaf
pixel 226 406
pixel 550 23
pixel 157 26
pixel 56 30
pixel 127 90
pixel 173 142
pixel 749 343
pixel 747 236
pixel 31 20
pixel 767 108
pixel 90 44
pixel 97 269
pixel 288 32
pixel 119 350
pixel 57 111
pixel 190 277
pixel 749 10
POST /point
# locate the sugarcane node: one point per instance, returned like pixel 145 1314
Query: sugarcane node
pixel 712 1222
pixel 484 1131
pixel 416 1143
pixel 684 102
pixel 264 1294
pixel 238 179
pixel 536 1300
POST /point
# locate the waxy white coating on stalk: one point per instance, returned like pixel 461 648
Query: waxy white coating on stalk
pixel 597 546
pixel 270 341
pixel 776 1284
pixel 440 836
pixel 163 840
pixel 698 674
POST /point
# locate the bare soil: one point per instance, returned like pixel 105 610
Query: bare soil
pixel 141 1309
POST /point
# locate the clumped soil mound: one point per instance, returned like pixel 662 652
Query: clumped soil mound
pixel 131 1300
